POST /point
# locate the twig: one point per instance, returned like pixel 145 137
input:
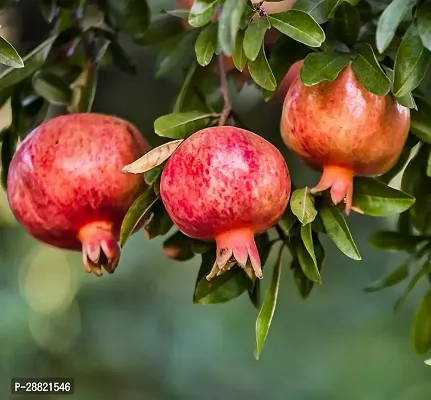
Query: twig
pixel 224 89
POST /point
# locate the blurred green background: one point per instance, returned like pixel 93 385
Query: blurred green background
pixel 137 335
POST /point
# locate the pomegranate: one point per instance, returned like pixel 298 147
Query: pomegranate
pixel 344 130
pixel 287 81
pixel 227 184
pixel 65 184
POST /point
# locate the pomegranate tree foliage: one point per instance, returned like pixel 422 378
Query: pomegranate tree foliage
pixel 389 45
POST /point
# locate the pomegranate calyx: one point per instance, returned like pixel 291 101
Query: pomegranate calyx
pixel 340 181
pixel 100 248
pixel 237 247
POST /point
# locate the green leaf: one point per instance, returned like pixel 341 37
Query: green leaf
pixel 206 44
pixel 200 247
pixel 121 58
pixel 287 221
pixel 310 268
pixel 423 18
pixel 299 26
pixel 221 288
pixel 347 23
pixel 138 210
pixel 411 63
pixel 51 87
pixel 48 9
pixel 423 271
pixel 176 53
pixel 161 28
pixel 389 21
pixel 422 325
pixel 395 241
pixel 129 16
pixel 184 91
pixel 322 66
pixel 181 125
pixel 302 205
pixel 334 4
pixel 406 100
pixel 229 24
pixel 379 200
pixel 420 120
pixel 393 278
pixel 8 55
pixel 32 62
pixel 266 313
pixel 178 247
pixel 152 175
pixel 253 38
pixel 255 295
pixel 338 231
pixel 261 73
pixel 202 12
pixel 368 70
pixel 318 9
pixel 238 56
pixel 84 90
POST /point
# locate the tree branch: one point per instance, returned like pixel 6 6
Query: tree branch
pixel 224 89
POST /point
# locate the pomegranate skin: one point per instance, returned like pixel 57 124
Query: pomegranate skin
pixel 65 184
pixel 227 184
pixel 344 130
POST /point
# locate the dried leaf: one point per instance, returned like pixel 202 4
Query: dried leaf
pixel 153 158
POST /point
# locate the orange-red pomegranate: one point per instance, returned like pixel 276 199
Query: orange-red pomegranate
pixel 344 130
pixel 65 184
pixel 227 184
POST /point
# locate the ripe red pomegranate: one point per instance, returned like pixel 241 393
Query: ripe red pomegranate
pixel 344 130
pixel 227 184
pixel 65 184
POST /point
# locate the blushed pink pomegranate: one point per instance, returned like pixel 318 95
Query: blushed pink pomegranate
pixel 65 184
pixel 344 130
pixel 227 184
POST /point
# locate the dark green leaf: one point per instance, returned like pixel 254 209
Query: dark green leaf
pixel 411 63
pixel 395 241
pixel 422 325
pixel 221 288
pixel 200 247
pixel 32 62
pixel 162 28
pixel 379 200
pixel 255 295
pixel 238 56
pixel 152 175
pixel 368 70
pixel 266 313
pixel 8 147
pixel 324 66
pixel 347 23
pixel 206 44
pixel 253 38
pixel 185 89
pixel 333 4
pixel 181 125
pixel 423 271
pixel 407 100
pixel 8 55
pixel 423 18
pixel 178 247
pixel 48 9
pixel 138 210
pixel 318 9
pixel 309 267
pixel 202 12
pixel 51 87
pixel 302 205
pixel 389 21
pixel 160 223
pixel 420 120
pixel 122 59
pixel 393 278
pixel 337 229
pixel 229 24
pixel 176 52
pixel 129 16
pixel 261 73
pixel 299 26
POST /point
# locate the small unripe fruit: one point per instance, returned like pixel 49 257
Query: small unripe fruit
pixel 227 184
pixel 345 130
pixel 65 184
